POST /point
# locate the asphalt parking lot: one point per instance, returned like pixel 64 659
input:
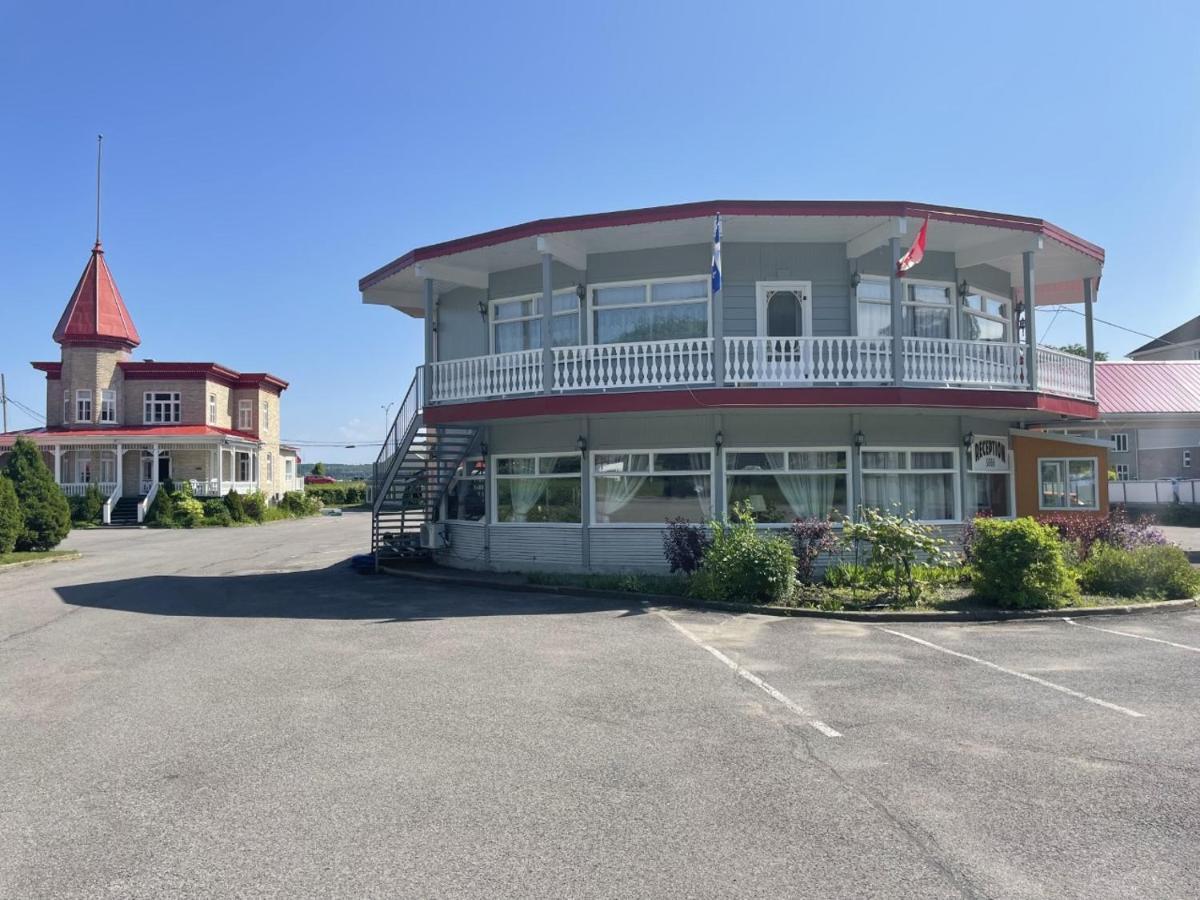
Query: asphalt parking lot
pixel 235 713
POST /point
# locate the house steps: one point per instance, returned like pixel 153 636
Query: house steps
pixel 124 512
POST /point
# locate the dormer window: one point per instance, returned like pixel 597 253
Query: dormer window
pixel 161 406
pixel 83 406
pixel 245 415
pixel 266 416
pixel 108 407
pixel 212 409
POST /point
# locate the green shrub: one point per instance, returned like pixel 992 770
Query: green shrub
pixel 189 512
pixel 343 493
pixel 846 575
pixel 46 518
pixel 217 513
pixel 161 513
pixel 897 543
pixel 1019 563
pixel 1159 571
pixel 11 521
pixel 255 505
pixel 745 564
pixel 87 509
pixel 297 503
pixel 236 506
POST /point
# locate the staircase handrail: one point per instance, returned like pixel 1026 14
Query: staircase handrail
pixel 106 518
pixel 147 502
pixel 399 435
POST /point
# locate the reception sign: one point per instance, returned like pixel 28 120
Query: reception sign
pixel 988 454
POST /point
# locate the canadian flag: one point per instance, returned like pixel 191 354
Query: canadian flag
pixel 915 253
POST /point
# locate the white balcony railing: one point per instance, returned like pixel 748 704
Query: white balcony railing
pixel 1063 373
pixel 602 367
pixel 78 489
pixel 804 360
pixel 501 375
pixel 953 362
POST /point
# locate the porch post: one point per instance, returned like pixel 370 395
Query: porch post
pixel 430 344
pixel 718 332
pixel 58 464
pixel 1030 323
pixel 897 313
pixel 1090 336
pixel 586 500
pixel 154 474
pixel 547 322
pixel 120 470
pixel 220 469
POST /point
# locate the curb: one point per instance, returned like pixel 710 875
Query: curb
pixel 797 612
pixel 26 563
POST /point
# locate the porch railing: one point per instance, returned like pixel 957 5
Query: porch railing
pixel 504 374
pixel 1064 373
pixel 146 502
pixel 643 364
pixel 945 361
pixel 78 489
pixel 113 496
pixel 804 360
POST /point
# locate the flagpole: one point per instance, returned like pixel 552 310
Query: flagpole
pixel 99 156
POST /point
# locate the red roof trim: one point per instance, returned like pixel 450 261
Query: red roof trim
pixel 758 398
pixel 149 369
pixel 732 208
pixel 53 370
pixel 147 431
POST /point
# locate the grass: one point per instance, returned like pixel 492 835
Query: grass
pixel 29 557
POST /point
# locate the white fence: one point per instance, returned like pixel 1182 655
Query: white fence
pixel 803 360
pixel 500 375
pixel 1147 493
pixel 642 364
pixel 78 489
pixel 945 361
pixel 1063 373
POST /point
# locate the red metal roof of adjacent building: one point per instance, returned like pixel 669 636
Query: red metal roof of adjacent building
pixel 129 431
pixel 96 314
pixel 1148 387
pixel 151 369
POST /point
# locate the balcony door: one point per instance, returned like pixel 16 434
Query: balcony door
pixel 784 320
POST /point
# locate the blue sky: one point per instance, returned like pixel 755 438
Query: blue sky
pixel 260 160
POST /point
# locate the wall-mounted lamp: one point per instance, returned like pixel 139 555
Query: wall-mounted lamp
pixel 855 279
pixel 483 309
pixel 859 439
pixel 580 292
pixel 1020 307
pixel 581 443
pixel 719 439
pixel 483 449
pixel 963 290
pixel 968 439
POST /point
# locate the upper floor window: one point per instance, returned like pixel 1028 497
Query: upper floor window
pixel 212 409
pixel 1120 442
pixel 266 415
pixel 1068 484
pixel 517 322
pixel 66 407
pixel 985 318
pixel 270 468
pixel 666 309
pixel 83 406
pixel 926 308
pixel 161 406
pixel 245 415
pixel 108 407
pixel 1187 459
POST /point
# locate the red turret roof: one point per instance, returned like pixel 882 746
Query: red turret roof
pixel 96 313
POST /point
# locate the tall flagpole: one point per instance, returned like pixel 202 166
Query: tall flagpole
pixel 99 151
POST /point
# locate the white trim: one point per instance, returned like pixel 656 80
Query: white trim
pixel 1094 460
pixel 706 277
pixel 494 476
pixel 804 288
pixel 564 249
pixel 955 454
pixel 848 471
pixel 650 473
pixel 1119 438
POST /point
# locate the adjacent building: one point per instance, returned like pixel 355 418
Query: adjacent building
pixel 127 425
pixel 586 378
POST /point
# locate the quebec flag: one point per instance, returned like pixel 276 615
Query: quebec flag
pixel 716 257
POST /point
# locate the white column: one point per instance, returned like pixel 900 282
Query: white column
pixel 120 470
pixel 547 322
pixel 1030 324
pixel 154 467
pixel 897 313
pixel 58 464
pixel 220 470
pixel 430 336
pixel 1090 336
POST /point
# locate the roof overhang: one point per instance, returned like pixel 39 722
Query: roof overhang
pixel 975 237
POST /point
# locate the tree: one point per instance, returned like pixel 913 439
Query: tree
pixel 1080 350
pixel 11 521
pixel 46 517
pixel 318 469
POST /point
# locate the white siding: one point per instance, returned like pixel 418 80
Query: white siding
pixel 533 547
pixel 627 550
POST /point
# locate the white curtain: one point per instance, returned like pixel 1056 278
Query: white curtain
pixel 525 493
pixel 702 483
pixel 613 493
pixel 809 495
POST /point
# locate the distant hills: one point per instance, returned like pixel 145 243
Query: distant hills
pixel 341 471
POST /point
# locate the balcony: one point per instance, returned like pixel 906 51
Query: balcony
pixel 764 362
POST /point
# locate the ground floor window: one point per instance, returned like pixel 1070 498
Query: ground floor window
pixel 244 466
pixel 1122 470
pixel 466 499
pixel 923 482
pixel 650 486
pixel 782 485
pixel 543 488
pixel 1068 483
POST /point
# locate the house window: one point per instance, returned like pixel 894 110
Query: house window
pixel 782 485
pixel 270 468
pixel 466 499
pixel 1196 354
pixel 83 467
pixel 212 409
pixel 988 494
pixel 245 415
pixel 517 322
pixel 926 308
pixel 541 488
pixel 1120 443
pixel 1187 459
pixel 160 406
pixel 1122 470
pixel 66 407
pixel 288 469
pixel 922 482
pixel 650 310
pixel 1068 484
pixel 648 486
pixel 242 463
pixel 985 318
pixel 108 407
pixel 83 406
pixel 266 415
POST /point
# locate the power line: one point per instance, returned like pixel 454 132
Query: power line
pixel 1152 337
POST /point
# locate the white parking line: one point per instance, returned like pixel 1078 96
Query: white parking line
pixel 1129 634
pixel 754 679
pixel 1042 681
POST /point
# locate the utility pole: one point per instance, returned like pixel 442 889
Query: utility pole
pixel 4 403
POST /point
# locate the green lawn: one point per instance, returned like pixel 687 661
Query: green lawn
pixel 36 556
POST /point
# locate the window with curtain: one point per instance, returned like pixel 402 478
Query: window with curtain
pixel 922 482
pixel 1068 483
pixel 985 318
pixel 874 296
pixel 926 309
pixel 988 494
pixel 649 486
pixel 650 311
pixel 517 322
pixel 539 488
pixel 466 498
pixel 782 485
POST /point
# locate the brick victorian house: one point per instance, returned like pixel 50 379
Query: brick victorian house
pixel 128 425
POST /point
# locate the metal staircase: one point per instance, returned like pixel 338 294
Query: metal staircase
pixel 415 466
